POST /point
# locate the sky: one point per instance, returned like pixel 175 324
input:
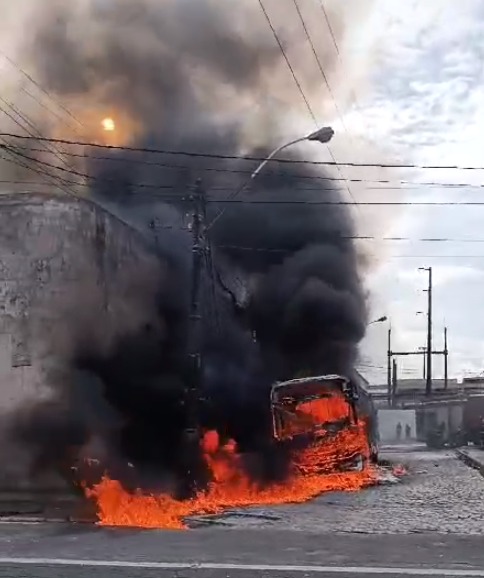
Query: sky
pixel 423 101
pixel 407 89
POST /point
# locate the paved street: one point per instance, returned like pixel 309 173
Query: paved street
pixel 220 552
pixel 440 494
pixel 431 524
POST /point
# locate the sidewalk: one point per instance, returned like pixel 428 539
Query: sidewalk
pixel 473 457
pixel 44 506
pixel 403 447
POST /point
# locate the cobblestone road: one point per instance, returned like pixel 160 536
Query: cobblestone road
pixel 431 522
pixel 440 494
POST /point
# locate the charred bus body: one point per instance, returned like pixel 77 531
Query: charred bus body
pixel 315 410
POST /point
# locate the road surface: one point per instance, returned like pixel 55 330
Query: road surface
pixel 440 494
pixel 58 550
pixel 430 525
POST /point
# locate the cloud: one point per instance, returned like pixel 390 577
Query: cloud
pixel 425 104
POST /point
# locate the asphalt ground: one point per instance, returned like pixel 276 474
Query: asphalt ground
pixel 63 550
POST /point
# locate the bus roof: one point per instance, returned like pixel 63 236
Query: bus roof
pixel 306 385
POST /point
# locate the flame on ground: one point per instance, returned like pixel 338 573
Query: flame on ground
pixel 399 470
pixel 314 470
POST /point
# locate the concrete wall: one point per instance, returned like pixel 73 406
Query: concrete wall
pixel 64 264
pixel 388 419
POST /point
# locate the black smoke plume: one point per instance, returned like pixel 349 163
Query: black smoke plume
pixel 191 75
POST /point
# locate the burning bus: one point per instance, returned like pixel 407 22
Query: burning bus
pixel 330 412
pixel 324 422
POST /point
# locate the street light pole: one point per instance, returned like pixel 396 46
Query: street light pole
pixel 195 361
pixel 322 135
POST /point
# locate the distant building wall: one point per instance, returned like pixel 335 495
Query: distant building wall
pixel 388 420
pixel 63 264
pixel 449 418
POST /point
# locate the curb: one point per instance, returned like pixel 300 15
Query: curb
pixel 469 461
pixel 45 520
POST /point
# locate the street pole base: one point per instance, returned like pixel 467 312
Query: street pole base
pixel 193 474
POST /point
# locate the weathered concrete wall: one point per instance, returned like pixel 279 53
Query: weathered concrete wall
pixel 388 419
pixel 66 267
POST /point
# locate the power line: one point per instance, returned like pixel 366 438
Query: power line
pixel 30 124
pixel 50 110
pixel 240 201
pixel 434 256
pixel 318 61
pixel 335 42
pixel 40 87
pixel 298 84
pixel 348 238
pixel 240 157
pixel 308 36
pixel 289 251
pixel 296 81
pixel 345 237
pixel 360 203
pixel 248 202
pixel 393 182
pixel 55 180
pixel 79 174
pixel 330 28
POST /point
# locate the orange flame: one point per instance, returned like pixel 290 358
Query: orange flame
pixel 324 411
pixel 231 487
pixel 312 414
pixel 399 470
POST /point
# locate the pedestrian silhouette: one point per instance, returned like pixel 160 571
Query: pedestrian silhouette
pixel 408 431
pixel 399 431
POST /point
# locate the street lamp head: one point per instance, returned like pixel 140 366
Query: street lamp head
pixel 322 135
pixel 379 320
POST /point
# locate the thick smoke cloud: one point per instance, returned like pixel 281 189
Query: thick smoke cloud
pixel 192 75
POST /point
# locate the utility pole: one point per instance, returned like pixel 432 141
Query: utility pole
pixel 389 366
pixel 428 380
pixel 428 383
pixel 192 385
pixel 394 381
pixel 446 360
